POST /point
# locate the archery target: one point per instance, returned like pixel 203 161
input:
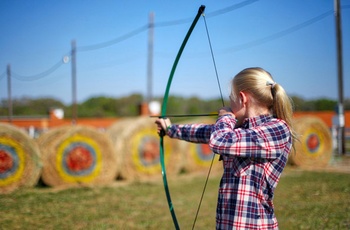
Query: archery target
pixel 197 157
pixel 201 154
pixel 137 142
pixel 12 160
pixel 78 159
pixel 314 147
pixel 77 155
pixel 145 151
pixel 313 140
pixel 20 163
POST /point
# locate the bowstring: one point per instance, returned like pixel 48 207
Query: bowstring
pixel 213 58
pixel 223 104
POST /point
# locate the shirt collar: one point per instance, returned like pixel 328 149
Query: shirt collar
pixel 252 122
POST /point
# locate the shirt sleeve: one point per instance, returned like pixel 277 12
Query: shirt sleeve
pixel 267 141
pixel 196 133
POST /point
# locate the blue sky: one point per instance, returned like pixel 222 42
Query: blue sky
pixel 294 40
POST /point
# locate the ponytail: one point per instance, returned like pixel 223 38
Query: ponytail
pixel 282 105
pixel 265 91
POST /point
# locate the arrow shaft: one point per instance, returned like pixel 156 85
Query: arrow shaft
pixel 188 115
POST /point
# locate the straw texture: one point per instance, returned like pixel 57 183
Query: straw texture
pixel 136 145
pixel 77 155
pixel 20 163
pixel 314 148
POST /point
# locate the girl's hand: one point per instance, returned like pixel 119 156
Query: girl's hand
pixel 226 110
pixel 162 124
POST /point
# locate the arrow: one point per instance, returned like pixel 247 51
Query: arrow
pixel 186 115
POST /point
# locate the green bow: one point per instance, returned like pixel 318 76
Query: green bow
pixel 163 113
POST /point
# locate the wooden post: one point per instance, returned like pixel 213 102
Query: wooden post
pixel 341 130
pixel 9 99
pixel 74 84
pixel 150 58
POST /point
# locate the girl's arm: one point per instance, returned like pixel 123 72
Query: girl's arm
pixel 267 141
pixel 196 133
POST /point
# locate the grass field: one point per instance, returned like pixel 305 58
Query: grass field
pixel 303 200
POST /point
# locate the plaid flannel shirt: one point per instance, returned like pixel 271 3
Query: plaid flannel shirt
pixel 254 156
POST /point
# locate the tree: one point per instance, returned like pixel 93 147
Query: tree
pixel 103 106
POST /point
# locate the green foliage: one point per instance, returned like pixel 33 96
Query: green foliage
pixel 193 105
pixel 321 104
pixel 28 106
pixel 103 106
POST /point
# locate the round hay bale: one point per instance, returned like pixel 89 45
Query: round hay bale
pixel 314 147
pixel 136 143
pixel 20 163
pixel 199 157
pixel 77 155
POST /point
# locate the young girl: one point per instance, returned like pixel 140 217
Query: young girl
pixel 253 138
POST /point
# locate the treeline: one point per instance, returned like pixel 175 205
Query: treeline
pixel 129 106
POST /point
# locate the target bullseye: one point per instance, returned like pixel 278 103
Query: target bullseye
pixel 78 159
pixel 145 151
pixel 76 155
pixel 149 151
pixel 313 142
pixel 20 163
pixel 11 161
pixel 204 152
pixel 6 162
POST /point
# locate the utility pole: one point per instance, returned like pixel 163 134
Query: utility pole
pixel 9 98
pixel 341 128
pixel 74 83
pixel 150 57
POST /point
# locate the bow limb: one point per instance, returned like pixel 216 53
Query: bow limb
pixel 163 114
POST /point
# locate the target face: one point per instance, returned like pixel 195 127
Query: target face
pixel 145 151
pixel 202 154
pixel 313 140
pixel 78 159
pixel 12 161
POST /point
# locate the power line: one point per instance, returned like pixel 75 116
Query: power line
pixel 114 41
pixel 209 15
pixel 40 75
pixel 177 22
pixel 160 24
pixel 2 75
pixel 230 8
pixel 279 34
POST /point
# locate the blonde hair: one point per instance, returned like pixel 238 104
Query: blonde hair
pixel 266 92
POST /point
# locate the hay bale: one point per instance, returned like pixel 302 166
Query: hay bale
pixel 198 157
pixel 77 155
pixel 20 163
pixel 136 143
pixel 314 148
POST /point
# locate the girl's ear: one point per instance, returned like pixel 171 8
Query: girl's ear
pixel 243 97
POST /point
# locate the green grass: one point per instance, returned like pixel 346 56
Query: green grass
pixel 303 200
pixel 313 200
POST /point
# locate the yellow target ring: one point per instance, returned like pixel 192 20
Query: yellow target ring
pixel 91 147
pixel 314 147
pixel 18 156
pixel 201 154
pixel 313 142
pixel 145 151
